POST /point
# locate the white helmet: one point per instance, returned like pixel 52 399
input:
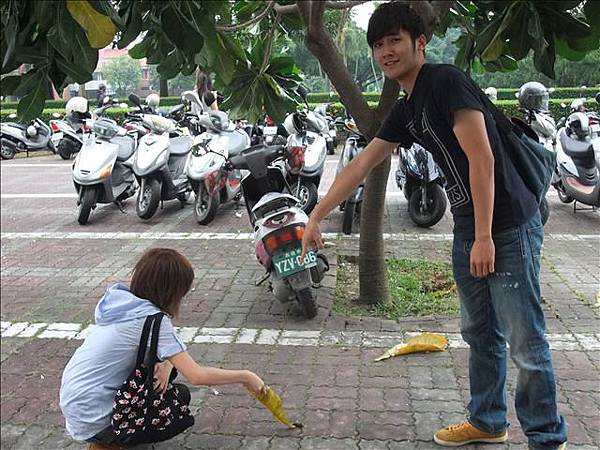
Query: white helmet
pixel 152 100
pixel 492 93
pixel 77 105
pixel 31 131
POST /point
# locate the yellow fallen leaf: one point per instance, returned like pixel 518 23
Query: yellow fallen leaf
pixel 426 342
pixel 99 29
pixel 273 403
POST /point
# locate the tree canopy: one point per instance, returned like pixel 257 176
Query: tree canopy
pixel 244 42
pixel 123 74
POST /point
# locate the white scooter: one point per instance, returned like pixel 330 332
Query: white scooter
pixel 331 134
pixel 577 174
pixel 306 129
pixel 159 163
pixel 102 172
pixel 212 184
pixel 16 137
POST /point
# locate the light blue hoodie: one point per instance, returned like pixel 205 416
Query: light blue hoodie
pixel 99 367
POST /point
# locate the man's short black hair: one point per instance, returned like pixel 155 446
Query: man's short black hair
pixel 390 18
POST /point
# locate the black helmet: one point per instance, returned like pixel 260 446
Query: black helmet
pixel 533 96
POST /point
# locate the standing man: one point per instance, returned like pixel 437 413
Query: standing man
pixel 497 231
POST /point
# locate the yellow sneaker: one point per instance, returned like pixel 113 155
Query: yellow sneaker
pixel 464 433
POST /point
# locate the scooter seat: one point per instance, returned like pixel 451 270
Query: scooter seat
pixel 237 142
pixel 575 148
pixel 180 145
pixel 126 147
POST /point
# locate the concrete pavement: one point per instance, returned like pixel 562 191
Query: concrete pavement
pixel 53 272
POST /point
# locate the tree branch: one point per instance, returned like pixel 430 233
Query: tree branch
pixel 270 39
pixel 290 9
pixel 389 95
pixel 320 44
pixel 258 18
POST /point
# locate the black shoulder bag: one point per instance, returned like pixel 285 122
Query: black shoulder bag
pixel 534 163
pixel 140 415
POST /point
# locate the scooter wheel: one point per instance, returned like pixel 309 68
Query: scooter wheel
pixel 307 302
pixel 563 196
pixel 6 151
pixel 88 199
pixel 308 195
pixel 435 206
pixel 148 199
pixel 348 221
pixel 205 206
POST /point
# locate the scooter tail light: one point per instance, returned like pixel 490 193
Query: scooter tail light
pixel 54 126
pixel 282 238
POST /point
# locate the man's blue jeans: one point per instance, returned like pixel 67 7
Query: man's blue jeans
pixel 502 308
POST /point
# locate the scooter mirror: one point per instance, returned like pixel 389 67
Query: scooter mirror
pixel 123 105
pixel 563 105
pixel 55 115
pixel 598 98
pixel 12 116
pixel 106 100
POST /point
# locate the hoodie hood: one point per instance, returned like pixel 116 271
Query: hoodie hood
pixel 119 305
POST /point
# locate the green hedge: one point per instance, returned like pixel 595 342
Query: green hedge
pixel 117 114
pixel 503 94
pixel 508 107
pixel 60 104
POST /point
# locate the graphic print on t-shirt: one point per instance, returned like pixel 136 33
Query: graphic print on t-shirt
pixel 455 189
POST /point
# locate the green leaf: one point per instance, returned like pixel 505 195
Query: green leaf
pixel 179 31
pixel 592 14
pixel 8 84
pixel 99 29
pixel 134 26
pixel 477 67
pixel 566 51
pixel 32 104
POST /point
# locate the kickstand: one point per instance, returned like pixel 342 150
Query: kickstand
pixel 119 204
pixel 262 280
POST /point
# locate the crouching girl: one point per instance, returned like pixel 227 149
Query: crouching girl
pixel 108 356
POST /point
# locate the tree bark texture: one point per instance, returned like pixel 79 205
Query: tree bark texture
pixel 164 88
pixel 373 278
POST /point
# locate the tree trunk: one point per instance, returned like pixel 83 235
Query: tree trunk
pixel 372 272
pixel 82 90
pixel 373 275
pixel 164 88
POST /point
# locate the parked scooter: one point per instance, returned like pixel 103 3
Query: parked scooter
pixel 212 184
pixel 305 129
pixel 102 172
pixel 68 133
pixel 577 174
pixel 16 137
pixel 421 181
pixel 159 163
pixel 355 143
pixel 331 134
pixel 279 224
pixel 533 101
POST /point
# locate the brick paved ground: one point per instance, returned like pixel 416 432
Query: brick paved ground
pixel 344 399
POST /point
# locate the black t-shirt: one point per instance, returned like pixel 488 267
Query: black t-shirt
pixel 427 117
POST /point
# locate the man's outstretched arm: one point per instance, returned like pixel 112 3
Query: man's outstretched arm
pixel 343 185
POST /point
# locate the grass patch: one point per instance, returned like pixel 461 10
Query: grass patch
pixel 418 288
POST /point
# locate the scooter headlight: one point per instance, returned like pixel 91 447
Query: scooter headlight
pixel 106 171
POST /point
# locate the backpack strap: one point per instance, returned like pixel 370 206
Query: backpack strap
pixel 144 341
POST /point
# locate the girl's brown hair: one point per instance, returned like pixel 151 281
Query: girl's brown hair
pixel 163 276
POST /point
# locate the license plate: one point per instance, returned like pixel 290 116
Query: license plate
pixel 56 137
pixel 270 131
pixel 288 263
